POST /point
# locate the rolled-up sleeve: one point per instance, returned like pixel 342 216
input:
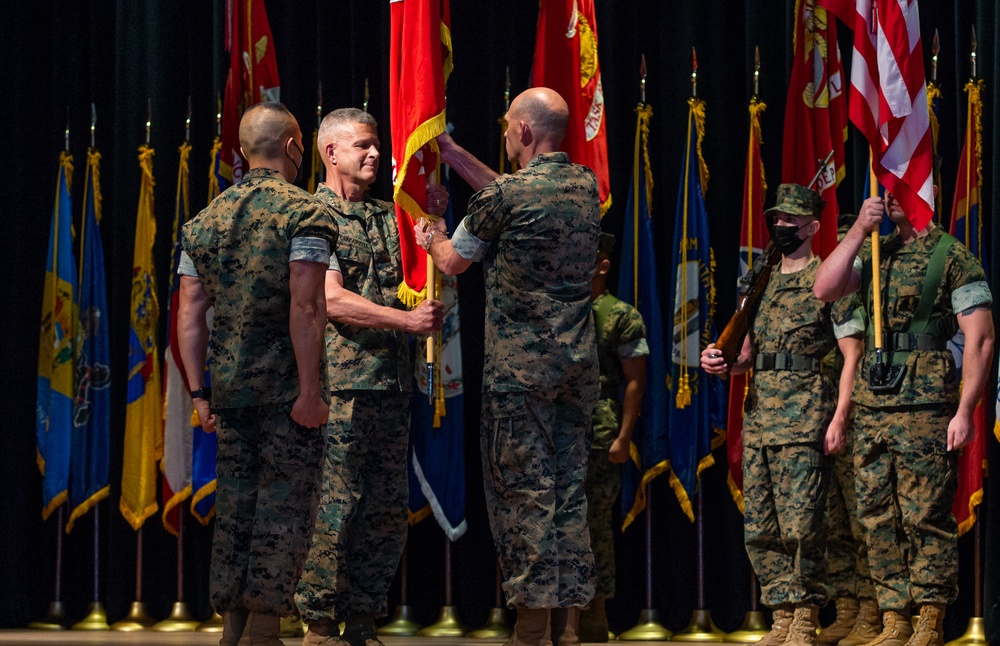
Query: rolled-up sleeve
pixel 309 249
pixel 467 245
pixel 185 267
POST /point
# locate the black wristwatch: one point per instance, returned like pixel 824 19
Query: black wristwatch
pixel 204 392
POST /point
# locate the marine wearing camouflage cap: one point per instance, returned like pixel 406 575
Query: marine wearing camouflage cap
pixel 794 199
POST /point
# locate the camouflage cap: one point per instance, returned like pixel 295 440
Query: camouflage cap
pixel 606 244
pixel 797 200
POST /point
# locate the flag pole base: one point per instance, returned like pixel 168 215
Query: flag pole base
pixel 136 619
pixel 647 630
pixel 292 626
pixel 96 619
pixel 447 625
pixel 55 620
pixel 402 624
pixel 179 621
pixel 496 626
pixel 974 634
pixel 753 629
pixel 211 625
pixel 701 629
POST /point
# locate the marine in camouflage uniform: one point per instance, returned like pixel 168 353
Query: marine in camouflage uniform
pixel 621 342
pixel 906 474
pixel 789 405
pixel 360 528
pixel 536 232
pixel 269 468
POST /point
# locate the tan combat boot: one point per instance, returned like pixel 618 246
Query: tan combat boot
pixel 233 623
pixel 847 616
pixel 322 632
pixel 261 630
pixel 594 622
pixel 359 630
pixel 930 631
pixel 532 628
pixel 571 625
pixel 867 627
pixel 781 621
pixel 805 621
pixel 896 629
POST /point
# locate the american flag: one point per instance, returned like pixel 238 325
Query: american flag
pixel 889 98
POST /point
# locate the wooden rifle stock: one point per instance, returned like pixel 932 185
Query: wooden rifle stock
pixel 751 286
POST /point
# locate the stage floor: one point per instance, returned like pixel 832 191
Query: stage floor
pixel 149 638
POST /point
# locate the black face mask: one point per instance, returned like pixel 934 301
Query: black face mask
pixel 786 239
pixel 298 167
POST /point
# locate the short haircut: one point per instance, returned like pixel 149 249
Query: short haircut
pixel 334 122
pixel 264 129
pixel 542 118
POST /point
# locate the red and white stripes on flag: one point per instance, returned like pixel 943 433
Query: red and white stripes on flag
pixel 889 98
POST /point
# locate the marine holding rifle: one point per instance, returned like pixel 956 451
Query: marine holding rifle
pixel 786 426
pixel 910 417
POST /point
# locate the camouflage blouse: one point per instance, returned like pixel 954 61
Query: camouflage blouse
pixel 621 335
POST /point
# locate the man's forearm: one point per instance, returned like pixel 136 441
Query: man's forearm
pixel 835 276
pixel 192 330
pixel 307 323
pixel 474 172
pixel 976 358
pixel 353 309
pixel 631 405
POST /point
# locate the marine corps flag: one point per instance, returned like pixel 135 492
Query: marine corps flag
pixel 966 226
pixel 419 65
pixel 54 407
pixel 693 396
pixel 753 239
pixel 816 115
pixel 252 78
pixel 638 284
pixel 89 464
pixel 566 61
pixel 143 416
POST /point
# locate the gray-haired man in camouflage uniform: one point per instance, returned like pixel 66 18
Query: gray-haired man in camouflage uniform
pixel 786 427
pixel 907 433
pixel 258 254
pixel 621 353
pixel 361 525
pixel 536 232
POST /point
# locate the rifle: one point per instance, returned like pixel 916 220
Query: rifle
pixel 751 286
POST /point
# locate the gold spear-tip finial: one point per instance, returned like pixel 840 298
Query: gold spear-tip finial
pixel 506 90
pixel 93 124
pixel 364 103
pixel 66 132
pixel 149 118
pixel 187 122
pixel 972 54
pixel 694 72
pixel 218 115
pixel 642 79
pixel 756 69
pixel 935 48
pixel 319 103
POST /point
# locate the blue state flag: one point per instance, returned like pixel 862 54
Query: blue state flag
pixel 638 285
pixel 695 401
pixel 54 406
pixel 90 460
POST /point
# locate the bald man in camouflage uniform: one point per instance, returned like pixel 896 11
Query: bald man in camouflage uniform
pixel 258 254
pixel 907 431
pixel 536 232
pixel 361 525
pixel 788 410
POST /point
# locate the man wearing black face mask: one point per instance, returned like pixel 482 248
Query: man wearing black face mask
pixel 788 410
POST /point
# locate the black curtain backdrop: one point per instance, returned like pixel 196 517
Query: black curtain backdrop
pixel 59 57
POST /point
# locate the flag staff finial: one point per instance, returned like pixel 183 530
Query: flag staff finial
pixel 506 90
pixel 319 104
pixel 642 79
pixel 756 70
pixel 364 104
pixel 694 72
pixel 93 123
pixel 935 48
pixel 972 54
pixel 187 122
pixel 218 115
pixel 66 132
pixel 149 118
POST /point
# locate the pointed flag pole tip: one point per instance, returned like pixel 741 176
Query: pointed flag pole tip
pixel 149 118
pixel 506 90
pixel 187 122
pixel 218 115
pixel 642 79
pixel 756 70
pixel 694 72
pixel 364 105
pixel 319 104
pixel 972 54
pixel 935 48
pixel 93 124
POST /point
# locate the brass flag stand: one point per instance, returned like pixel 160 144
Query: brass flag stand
pixel 648 629
pixel 180 619
pixel 754 624
pixel 447 624
pixel 402 624
pixel 56 619
pixel 701 628
pixel 138 617
pixel 496 625
pixel 97 618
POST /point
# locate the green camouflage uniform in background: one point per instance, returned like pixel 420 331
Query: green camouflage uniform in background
pixel 269 468
pixel 361 524
pixel 537 232
pixel 784 469
pixel 906 476
pixel 620 335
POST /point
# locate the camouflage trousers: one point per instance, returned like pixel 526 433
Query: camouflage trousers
pixel 906 483
pixel 784 497
pixel 604 481
pixel 268 475
pixel 846 551
pixel 534 448
pixel 361 523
